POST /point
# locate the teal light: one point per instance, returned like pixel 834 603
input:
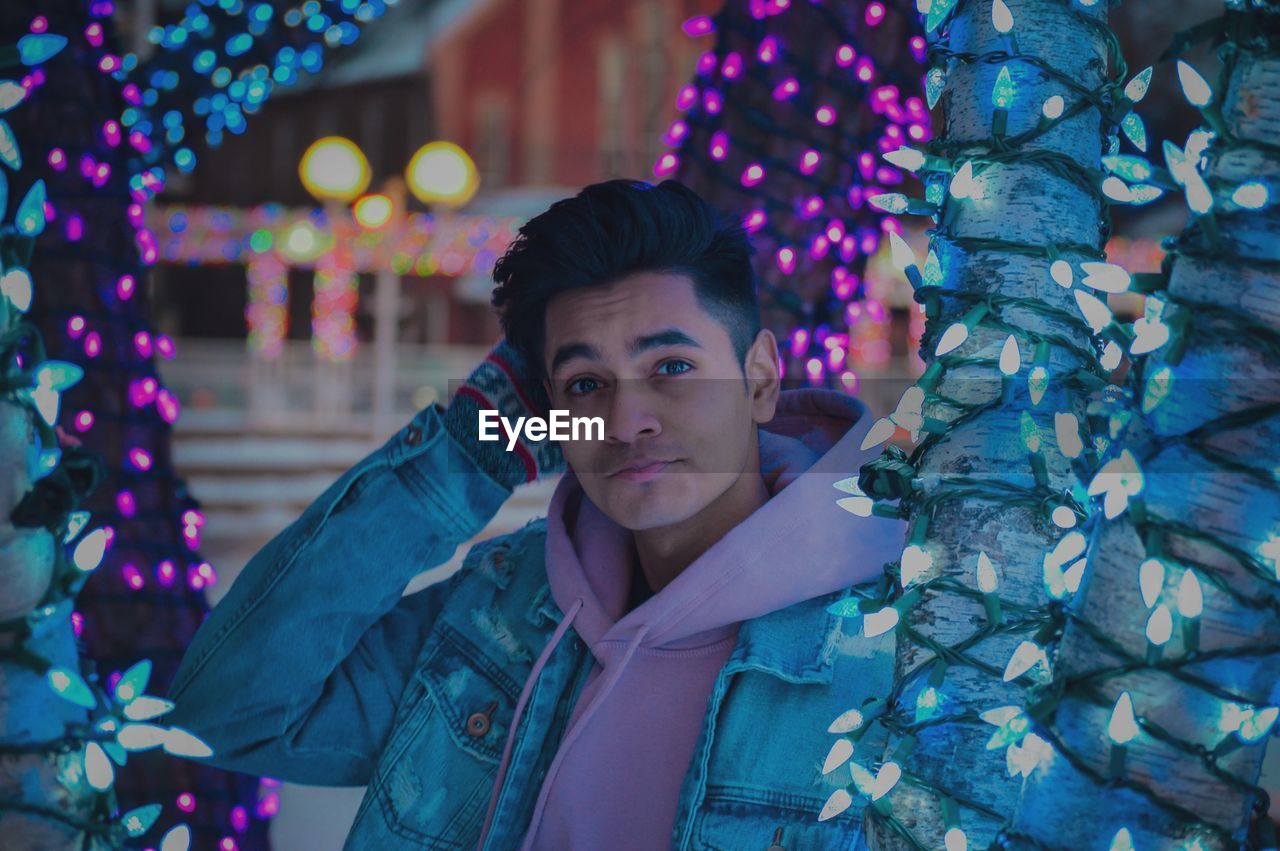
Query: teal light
pixel 38 47
pixel 1003 91
pixel 30 216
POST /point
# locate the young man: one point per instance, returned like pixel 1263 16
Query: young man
pixel 649 666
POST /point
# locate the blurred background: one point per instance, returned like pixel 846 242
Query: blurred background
pixel 325 271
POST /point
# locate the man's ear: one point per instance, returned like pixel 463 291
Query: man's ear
pixel 763 381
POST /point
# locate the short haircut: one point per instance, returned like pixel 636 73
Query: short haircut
pixel 614 229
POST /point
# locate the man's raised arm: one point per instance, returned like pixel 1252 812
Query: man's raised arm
pixel 296 673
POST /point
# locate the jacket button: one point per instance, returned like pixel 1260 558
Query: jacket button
pixel 478 722
pixel 777 841
pixel 413 435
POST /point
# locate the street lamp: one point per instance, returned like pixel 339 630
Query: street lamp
pixel 334 169
pixel 442 173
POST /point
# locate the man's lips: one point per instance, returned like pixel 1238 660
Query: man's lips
pixel 638 469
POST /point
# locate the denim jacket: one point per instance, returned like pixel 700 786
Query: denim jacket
pixel 316 669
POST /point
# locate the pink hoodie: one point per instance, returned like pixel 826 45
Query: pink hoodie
pixel 621 763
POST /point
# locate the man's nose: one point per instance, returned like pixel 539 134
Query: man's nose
pixel 632 413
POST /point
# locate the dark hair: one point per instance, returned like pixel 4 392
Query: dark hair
pixel 613 229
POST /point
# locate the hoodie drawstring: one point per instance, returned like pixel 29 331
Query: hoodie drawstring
pixel 614 673
pixel 515 722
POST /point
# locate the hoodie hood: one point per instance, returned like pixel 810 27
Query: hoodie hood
pixel 754 569
pixel 796 546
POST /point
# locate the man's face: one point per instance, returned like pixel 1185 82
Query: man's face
pixel 643 355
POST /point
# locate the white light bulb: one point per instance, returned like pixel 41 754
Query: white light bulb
pixel 1194 86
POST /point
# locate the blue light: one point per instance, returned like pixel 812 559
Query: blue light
pixel 37 47
pixel 238 44
pixel 129 117
pixel 261 12
pixel 204 61
pixel 221 77
pixel 184 159
pixel 172 118
pixel 174 135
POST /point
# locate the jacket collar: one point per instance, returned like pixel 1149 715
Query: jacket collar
pixel 797 643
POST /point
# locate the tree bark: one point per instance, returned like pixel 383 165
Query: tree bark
pixel 1171 794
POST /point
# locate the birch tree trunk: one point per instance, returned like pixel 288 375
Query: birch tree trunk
pixel 975 482
pixel 1199 524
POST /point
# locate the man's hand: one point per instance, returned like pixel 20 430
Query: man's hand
pixel 783 459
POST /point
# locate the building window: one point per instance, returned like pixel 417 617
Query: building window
pixel 654 88
pixel 611 76
pixel 493 141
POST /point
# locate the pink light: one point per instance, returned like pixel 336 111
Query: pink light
pixel 93 33
pixel 786 260
pixel 812 207
pixel 865 69
pixel 140 459
pixel 239 818
pixel 869 239
pixel 835 230
pixel 132 93
pixel 166 573
pixel 140 142
pixel 135 215
pixel 87 164
pixel 84 421
pixel 191 517
pixel 825 116
pixel 768 49
pixel 809 161
pixel 132 577
pixel 142 391
pixel 855 197
pixel 706 62
pixel 205 571
pixel 77 623
pixel 111 132
pixel 57 159
pixel 75 327
pixel 113 679
pixel 194 580
pixel 49 212
pixel 819 246
pixel 754 220
pixel 226 843
pixel 164 345
pixel 186 802
pixel 108 63
pixel 732 67
pixel 813 367
pixel 835 358
pixel 842 283
pixel 893 132
pixel 919 49
pixel 675 132
pixel 686 97
pixel 866 164
pixel 888 174
pixel 697 26
pixel 752 174
pixel 916 132
pixel 268 805
pixel 40 24
pixel 125 503
pixel 142 343
pixel 787 88
pixel 167 405
pixel 845 54
pixel 875 13
pixel 92 344
pixel 712 101
pixel 719 145
pixel 849 380
pixel 101 174
pixel 75 228
pixel 666 164
pixel 799 341
pixel 848 248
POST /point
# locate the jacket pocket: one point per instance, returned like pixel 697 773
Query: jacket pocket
pixel 746 819
pixel 441 762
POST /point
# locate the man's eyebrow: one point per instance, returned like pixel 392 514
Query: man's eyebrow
pixel 665 337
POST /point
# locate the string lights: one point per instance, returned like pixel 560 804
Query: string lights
pixel 783 124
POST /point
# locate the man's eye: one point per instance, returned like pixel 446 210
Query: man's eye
pixel 676 361
pixel 572 384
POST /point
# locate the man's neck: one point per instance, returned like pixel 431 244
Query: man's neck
pixel 664 552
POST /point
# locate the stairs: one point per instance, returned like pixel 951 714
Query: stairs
pixel 254 480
